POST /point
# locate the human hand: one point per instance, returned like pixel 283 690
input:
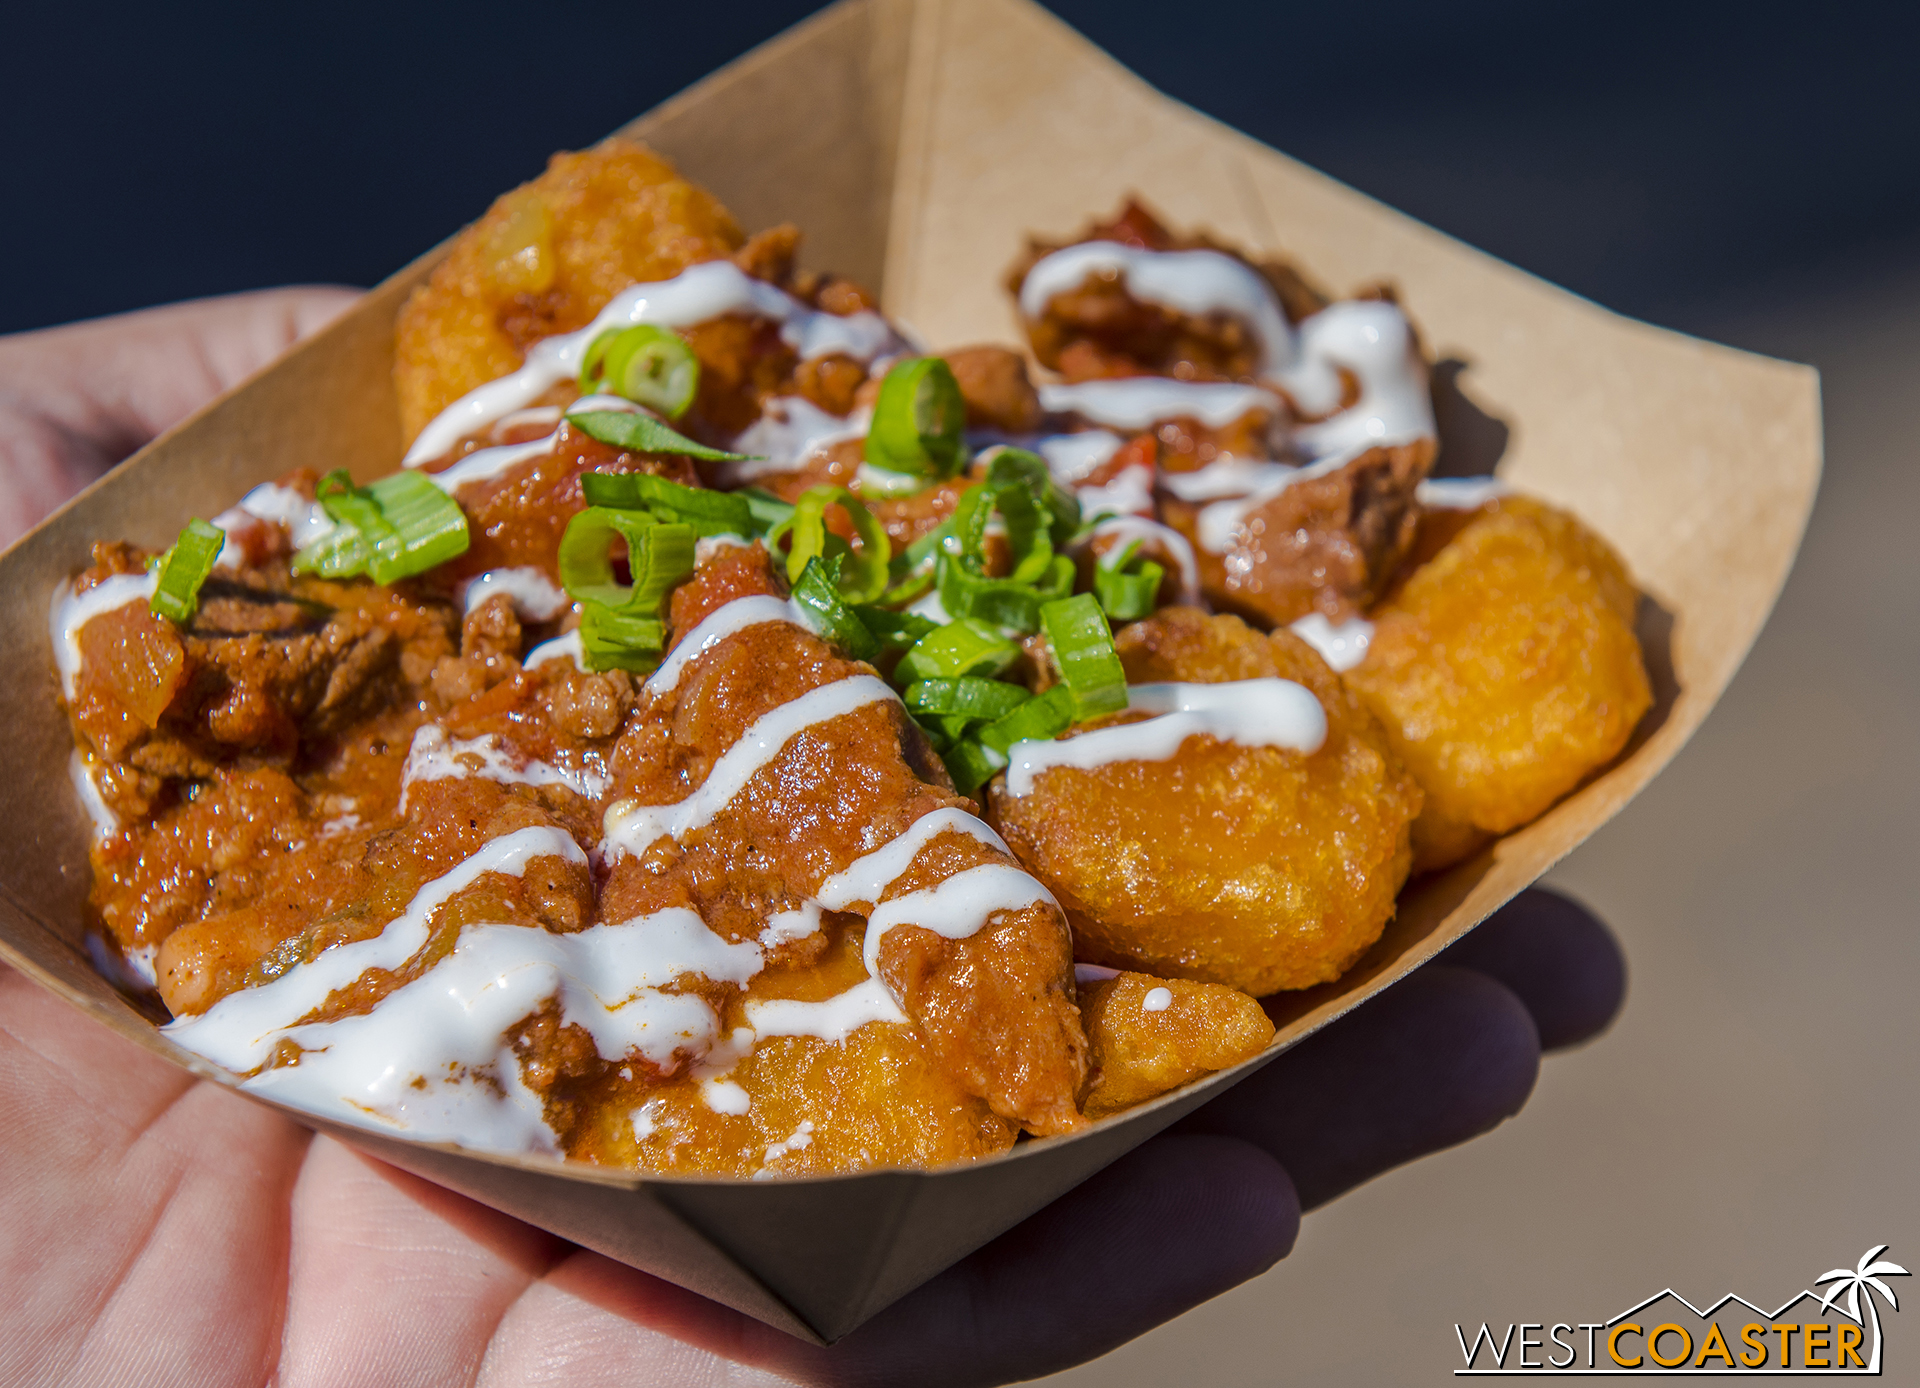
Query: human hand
pixel 156 1229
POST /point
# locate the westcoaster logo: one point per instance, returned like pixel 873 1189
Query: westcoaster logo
pixel 1638 1340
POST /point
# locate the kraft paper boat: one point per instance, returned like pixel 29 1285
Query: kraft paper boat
pixel 917 142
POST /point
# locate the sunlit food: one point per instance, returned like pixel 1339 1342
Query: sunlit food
pixel 741 741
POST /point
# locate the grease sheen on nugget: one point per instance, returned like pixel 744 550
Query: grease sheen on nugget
pixel 1256 867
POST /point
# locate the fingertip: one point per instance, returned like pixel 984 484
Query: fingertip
pixel 1557 957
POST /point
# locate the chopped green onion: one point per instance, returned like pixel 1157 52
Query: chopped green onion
pixel 659 558
pixel 1005 602
pixel 183 568
pixel 612 639
pixel 645 363
pixel 393 528
pixel 864 575
pixel 966 697
pixel 817 594
pixel 1083 649
pixel 972 765
pixel 642 433
pixel 1128 596
pixel 919 421
pixel 766 509
pixel 708 512
pixel 1007 466
pixel 1040 719
pixel 894 630
pixel 966 647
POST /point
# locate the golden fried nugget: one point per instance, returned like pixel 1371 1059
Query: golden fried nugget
pixel 1504 670
pixel 1149 1035
pixel 1257 867
pixel 543 260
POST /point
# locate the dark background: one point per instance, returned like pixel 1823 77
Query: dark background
pixel 1662 158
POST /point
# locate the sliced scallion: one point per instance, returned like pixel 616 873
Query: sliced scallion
pixel 614 639
pixel 817 594
pixel 919 421
pixel 965 647
pixel 1040 719
pixel 972 765
pixel 1083 649
pixel 708 512
pixel 393 528
pixel 966 697
pixel 1128 594
pixel 642 433
pixel 183 568
pixel 863 575
pixel 659 557
pixel 645 363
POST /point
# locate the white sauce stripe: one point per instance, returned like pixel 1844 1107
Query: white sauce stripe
pixel 631 827
pixel 239 1031
pixel 305 521
pixel 1126 529
pixel 1460 493
pixel 566 647
pixel 714 628
pixel 533 594
pixel 1251 713
pixel 105 822
pixel 832 1019
pixel 1342 645
pixel 434 756
pixel 703 292
pixel 1140 402
pixel 71 612
pixel 1157 1000
pixel 955 908
pixel 867 879
pixel 1374 341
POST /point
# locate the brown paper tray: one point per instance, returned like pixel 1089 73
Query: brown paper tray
pixel 917 142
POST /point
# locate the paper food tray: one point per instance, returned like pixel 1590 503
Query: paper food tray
pixel 917 143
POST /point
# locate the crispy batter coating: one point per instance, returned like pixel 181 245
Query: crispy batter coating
pixel 817 1105
pixel 1139 1054
pixel 544 259
pixel 1256 867
pixel 1504 671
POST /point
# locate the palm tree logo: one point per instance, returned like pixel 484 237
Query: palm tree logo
pixel 1851 1280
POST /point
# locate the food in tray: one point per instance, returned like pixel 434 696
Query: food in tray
pixel 738 742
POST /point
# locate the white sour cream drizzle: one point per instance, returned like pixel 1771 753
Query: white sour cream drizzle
pixel 240 1031
pixel 533 594
pixel 714 628
pixel 1157 1000
pixel 72 611
pixel 1342 645
pixel 1140 402
pixel 306 521
pixel 1374 341
pixel 1197 283
pixel 1252 713
pixel 434 756
pixel 955 907
pixel 1460 493
pixel 790 432
pixel 1071 457
pixel 700 293
pixel 105 822
pixel 565 647
pixel 1218 524
pixel 631 827
pixel 866 879
pixel 831 1019
pixel 1129 493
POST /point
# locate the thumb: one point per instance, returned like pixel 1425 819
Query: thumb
pixel 75 400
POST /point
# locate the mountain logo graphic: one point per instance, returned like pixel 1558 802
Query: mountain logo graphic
pixel 1637 1341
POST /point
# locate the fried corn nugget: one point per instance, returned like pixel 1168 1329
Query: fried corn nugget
pixel 1148 1035
pixel 1504 670
pixel 544 259
pixel 813 1105
pixel 1256 867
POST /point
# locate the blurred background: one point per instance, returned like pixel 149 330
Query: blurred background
pixel 1746 172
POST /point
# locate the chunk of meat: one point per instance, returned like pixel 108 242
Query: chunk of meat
pixel 994 383
pixel 543 260
pixel 1329 544
pixel 1505 671
pixel 1261 868
pixel 1100 330
pixel 1148 1036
